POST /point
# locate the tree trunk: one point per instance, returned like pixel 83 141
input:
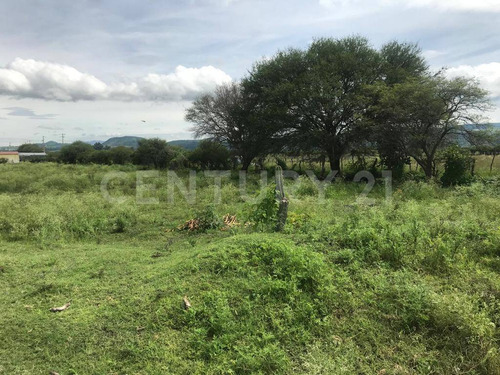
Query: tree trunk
pixel 427 168
pixel 426 165
pixel 323 161
pixel 245 163
pixel 261 164
pixel 334 160
pixel 492 161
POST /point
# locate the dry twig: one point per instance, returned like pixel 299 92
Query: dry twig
pixel 61 308
pixel 185 303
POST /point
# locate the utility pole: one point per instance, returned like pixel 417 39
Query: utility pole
pixel 43 143
pixel 62 138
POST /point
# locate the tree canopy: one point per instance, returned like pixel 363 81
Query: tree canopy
pixel 153 152
pixel 29 147
pixel 420 115
pixel 210 155
pixel 337 96
pixel 228 116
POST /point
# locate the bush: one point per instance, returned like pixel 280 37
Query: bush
pixel 457 166
pixel 180 159
pixel 208 219
pixel 153 152
pixel 264 213
pixel 100 157
pixel 121 155
pixel 3 161
pixel 360 165
pixel 210 155
pixel 29 147
pixel 77 152
pixel 395 161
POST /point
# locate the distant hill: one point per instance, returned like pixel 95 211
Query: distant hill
pixel 127 141
pixel 188 144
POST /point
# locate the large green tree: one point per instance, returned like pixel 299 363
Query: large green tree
pixel 318 96
pixel 421 114
pixel 399 62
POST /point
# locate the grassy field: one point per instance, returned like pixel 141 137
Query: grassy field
pixel 409 285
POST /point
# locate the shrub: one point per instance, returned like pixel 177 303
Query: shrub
pixel 208 219
pixel 360 165
pixel 3 161
pixel 394 160
pixel 153 152
pixel 179 159
pixel 77 152
pixel 29 147
pixel 457 166
pixel 210 155
pixel 121 155
pixel 264 213
pixel 100 157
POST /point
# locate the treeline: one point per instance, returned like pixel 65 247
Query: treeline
pixel 154 152
pixel 342 97
pixel 338 99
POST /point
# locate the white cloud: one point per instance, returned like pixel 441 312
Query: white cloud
pixel 461 5
pixel 184 83
pixel 465 5
pixel 487 74
pixel 44 80
pixel 53 81
pixel 339 3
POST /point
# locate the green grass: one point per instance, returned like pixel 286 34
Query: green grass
pixel 407 286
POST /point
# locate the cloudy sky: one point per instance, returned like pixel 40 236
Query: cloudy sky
pixel 93 69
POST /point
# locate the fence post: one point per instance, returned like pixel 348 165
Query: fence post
pixel 283 201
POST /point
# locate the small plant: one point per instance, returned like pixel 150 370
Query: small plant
pixel 205 220
pixel 3 161
pixel 265 212
pixel 119 225
pixel 208 219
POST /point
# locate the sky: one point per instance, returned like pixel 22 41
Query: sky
pixel 95 69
